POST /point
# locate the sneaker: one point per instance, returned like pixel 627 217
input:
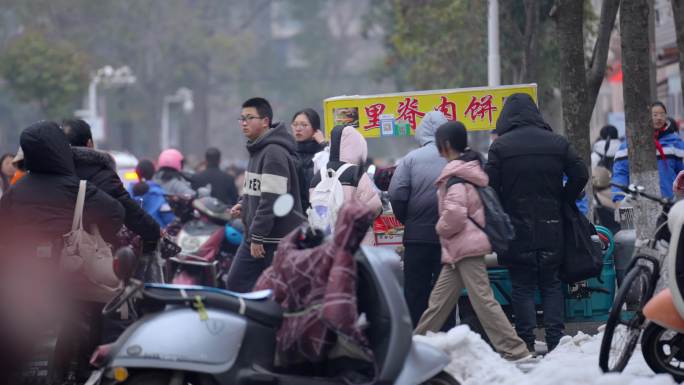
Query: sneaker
pixel 524 358
pixel 525 363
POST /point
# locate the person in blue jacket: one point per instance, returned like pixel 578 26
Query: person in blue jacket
pixel 151 194
pixel 669 152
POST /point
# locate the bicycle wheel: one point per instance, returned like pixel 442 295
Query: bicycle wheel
pixel 624 327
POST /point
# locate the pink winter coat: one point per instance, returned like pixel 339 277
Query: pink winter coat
pixel 458 208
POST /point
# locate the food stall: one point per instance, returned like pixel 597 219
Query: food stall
pixel 398 114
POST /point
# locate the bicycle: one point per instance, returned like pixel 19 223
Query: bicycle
pixel 625 321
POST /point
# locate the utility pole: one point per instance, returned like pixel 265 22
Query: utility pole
pixel 168 138
pixel 493 58
pixel 107 77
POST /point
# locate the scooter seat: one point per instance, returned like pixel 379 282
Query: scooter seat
pixel 257 306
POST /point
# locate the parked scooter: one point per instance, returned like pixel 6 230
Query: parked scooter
pixel 202 335
pixel 662 342
pixel 209 240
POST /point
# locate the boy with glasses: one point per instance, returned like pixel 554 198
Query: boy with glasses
pixel 271 172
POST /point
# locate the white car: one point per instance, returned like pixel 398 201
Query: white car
pixel 125 167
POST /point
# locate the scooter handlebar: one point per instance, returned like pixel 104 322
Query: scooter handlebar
pixel 639 191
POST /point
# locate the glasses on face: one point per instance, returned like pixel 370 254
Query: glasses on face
pixel 299 125
pixel 247 118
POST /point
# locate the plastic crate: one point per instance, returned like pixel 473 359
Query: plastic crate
pixel 584 304
pixel 500 281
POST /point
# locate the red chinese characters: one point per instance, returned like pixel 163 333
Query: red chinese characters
pixel 373 113
pixel 408 110
pixel 447 107
pixel 479 108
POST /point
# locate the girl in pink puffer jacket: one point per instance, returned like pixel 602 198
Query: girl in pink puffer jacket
pixel 464 244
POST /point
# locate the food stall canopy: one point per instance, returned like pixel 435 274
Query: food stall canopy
pixel 398 114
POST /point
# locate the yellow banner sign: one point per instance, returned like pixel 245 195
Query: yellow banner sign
pixel 399 114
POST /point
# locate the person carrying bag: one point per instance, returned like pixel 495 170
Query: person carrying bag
pixel 88 255
pixel 582 257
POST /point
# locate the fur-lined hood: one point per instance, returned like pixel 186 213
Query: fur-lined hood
pixel 90 156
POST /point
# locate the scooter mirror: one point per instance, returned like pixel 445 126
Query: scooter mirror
pixel 283 205
pixel 371 170
pixel 125 262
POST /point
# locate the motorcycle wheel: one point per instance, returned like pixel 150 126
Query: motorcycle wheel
pixel 663 350
pixel 442 378
pixel 622 332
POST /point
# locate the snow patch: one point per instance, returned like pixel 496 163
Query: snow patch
pixel 573 362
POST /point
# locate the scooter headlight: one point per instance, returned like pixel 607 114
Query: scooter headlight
pixel 120 374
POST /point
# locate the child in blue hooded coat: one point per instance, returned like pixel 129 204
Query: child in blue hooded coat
pixel 151 194
pixel 669 152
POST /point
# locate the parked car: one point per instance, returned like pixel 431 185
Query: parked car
pixel 125 167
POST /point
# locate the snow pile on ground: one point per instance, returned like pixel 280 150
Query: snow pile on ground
pixel 573 362
pixel 472 360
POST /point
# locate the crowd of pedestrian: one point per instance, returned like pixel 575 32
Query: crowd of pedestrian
pixel 433 192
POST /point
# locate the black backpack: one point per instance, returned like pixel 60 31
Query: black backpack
pixel 498 227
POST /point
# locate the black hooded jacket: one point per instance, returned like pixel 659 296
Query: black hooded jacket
pixel 99 169
pixel 526 165
pixel 271 172
pixel 39 209
pixel 222 184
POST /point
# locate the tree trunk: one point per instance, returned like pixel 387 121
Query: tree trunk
pixel 635 66
pixel 576 113
pixel 652 68
pixel 573 75
pixel 678 13
pixel 580 85
pixel 528 70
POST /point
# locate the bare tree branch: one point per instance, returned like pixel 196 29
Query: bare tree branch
pixel 597 64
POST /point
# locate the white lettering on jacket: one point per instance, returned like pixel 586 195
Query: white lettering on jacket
pixel 255 184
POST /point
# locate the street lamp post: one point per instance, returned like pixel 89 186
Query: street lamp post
pixel 493 58
pixel 184 96
pixel 108 77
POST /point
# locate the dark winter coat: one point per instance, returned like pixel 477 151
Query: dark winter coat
pixel 412 190
pixel 174 182
pixel 98 168
pixel 39 209
pixel 305 153
pixel 222 184
pixel 526 165
pixel 271 172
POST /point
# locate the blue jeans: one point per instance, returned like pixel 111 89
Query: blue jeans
pixel 526 280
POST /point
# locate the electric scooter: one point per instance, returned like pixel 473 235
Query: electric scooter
pixel 205 335
pixel 662 342
pixel 209 241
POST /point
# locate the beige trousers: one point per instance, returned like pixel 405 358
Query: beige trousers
pixel 471 274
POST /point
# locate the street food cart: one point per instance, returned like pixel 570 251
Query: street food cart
pixel 398 114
